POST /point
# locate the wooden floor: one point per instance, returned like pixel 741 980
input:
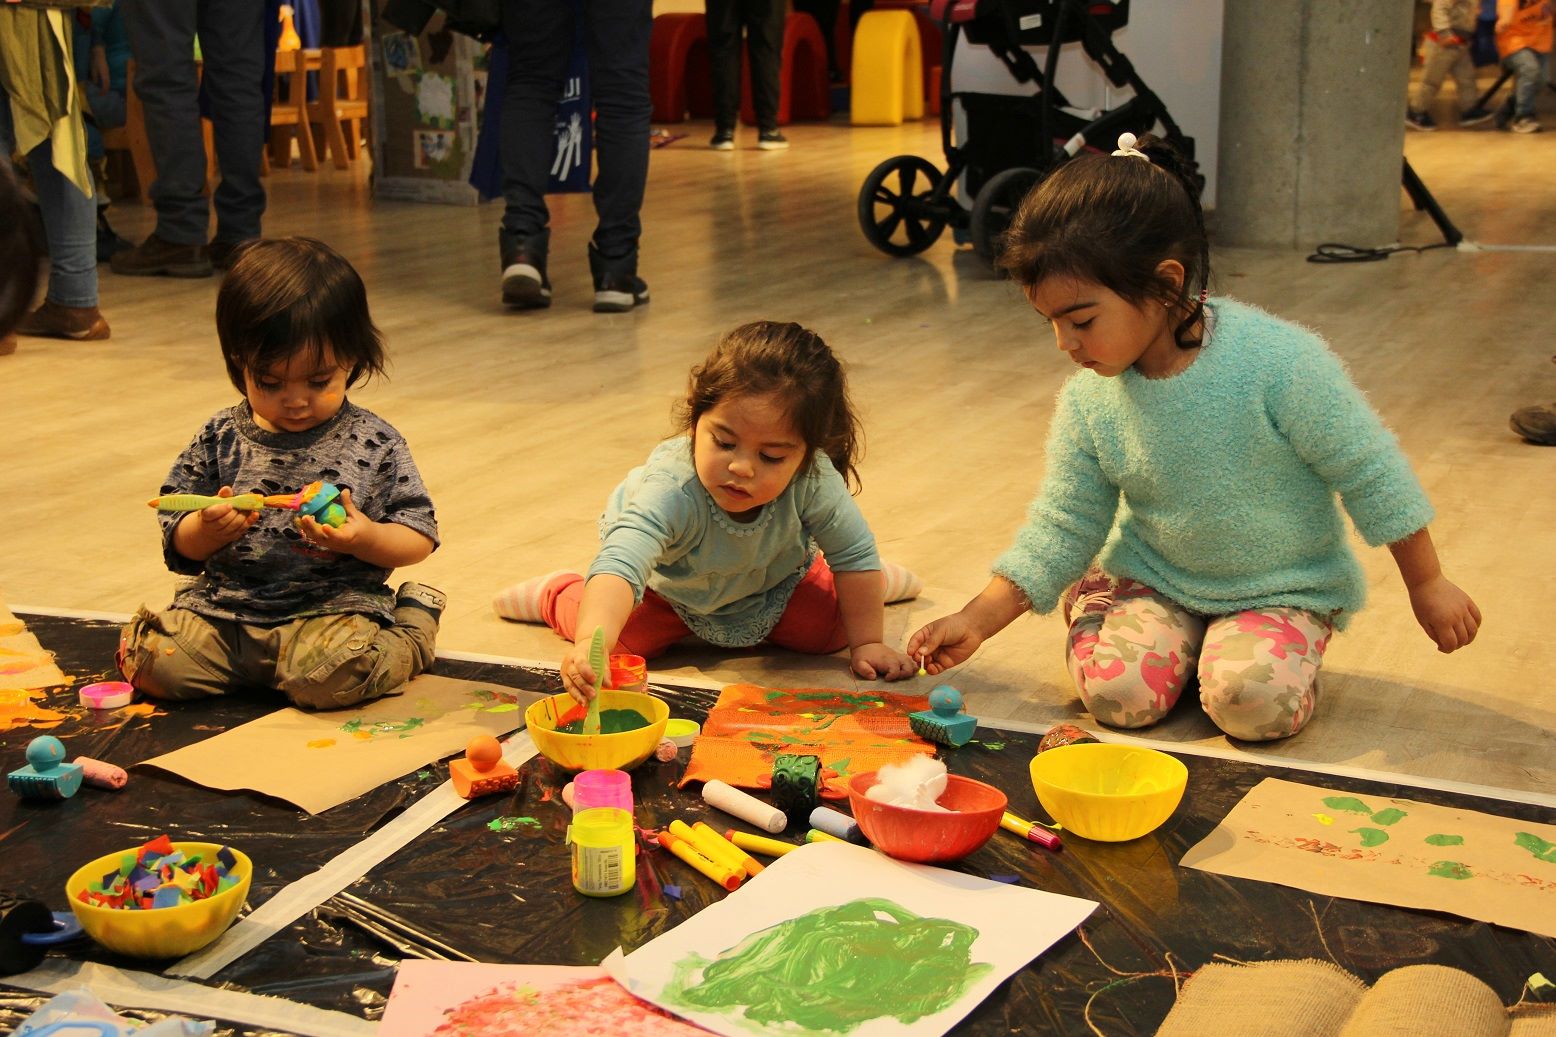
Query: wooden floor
pixel 522 423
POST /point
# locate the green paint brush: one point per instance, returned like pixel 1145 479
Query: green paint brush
pixel 591 724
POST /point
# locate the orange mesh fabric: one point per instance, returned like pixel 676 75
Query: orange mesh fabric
pixel 852 732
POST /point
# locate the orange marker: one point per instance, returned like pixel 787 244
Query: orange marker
pixel 737 857
pixel 759 843
pixel 685 850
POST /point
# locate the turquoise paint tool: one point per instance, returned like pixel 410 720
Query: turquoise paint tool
pixel 591 724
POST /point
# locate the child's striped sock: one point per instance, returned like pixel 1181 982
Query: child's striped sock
pixel 521 602
pixel 901 584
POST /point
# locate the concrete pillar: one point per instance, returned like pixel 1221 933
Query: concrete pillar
pixel 1312 121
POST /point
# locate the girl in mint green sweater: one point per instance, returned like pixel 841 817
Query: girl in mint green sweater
pixel 1188 519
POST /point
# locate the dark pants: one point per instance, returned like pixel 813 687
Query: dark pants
pixel 162 35
pixel 763 23
pixel 540 39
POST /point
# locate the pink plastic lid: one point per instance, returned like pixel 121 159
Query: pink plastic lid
pixel 107 695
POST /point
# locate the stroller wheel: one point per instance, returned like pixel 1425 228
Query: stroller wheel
pixel 994 206
pixel 896 211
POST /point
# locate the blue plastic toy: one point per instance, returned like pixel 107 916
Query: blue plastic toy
pixel 47 775
pixel 321 502
pixel 944 721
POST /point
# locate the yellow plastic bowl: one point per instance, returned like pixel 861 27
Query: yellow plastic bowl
pixel 621 751
pixel 163 932
pixel 1108 792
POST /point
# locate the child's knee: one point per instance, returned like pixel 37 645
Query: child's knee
pixel 344 660
pixel 155 655
pixel 1123 688
pixel 1246 704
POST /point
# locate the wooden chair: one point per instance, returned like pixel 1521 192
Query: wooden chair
pixel 340 112
pixel 289 111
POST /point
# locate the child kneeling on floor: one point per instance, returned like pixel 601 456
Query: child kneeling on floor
pixel 275 603
pixel 1188 518
pixel 741 529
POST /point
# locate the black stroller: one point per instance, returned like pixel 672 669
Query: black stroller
pixel 1011 142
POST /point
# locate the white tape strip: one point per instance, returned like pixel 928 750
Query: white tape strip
pixel 308 893
pixel 1539 799
pixel 123 988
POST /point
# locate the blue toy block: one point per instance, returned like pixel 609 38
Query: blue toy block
pixel 47 775
pixel 944 721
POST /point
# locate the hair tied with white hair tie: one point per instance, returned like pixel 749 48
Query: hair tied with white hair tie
pixel 1126 146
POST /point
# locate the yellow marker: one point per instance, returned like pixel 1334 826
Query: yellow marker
pixel 685 850
pixel 715 849
pixel 1030 830
pixel 816 835
pixel 759 843
pixel 725 850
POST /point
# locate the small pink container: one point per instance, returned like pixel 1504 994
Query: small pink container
pixel 602 789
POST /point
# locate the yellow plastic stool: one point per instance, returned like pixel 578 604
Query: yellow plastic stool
pixel 887 82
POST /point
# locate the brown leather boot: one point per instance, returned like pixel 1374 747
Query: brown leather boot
pixel 51 320
pixel 1536 424
pixel 155 257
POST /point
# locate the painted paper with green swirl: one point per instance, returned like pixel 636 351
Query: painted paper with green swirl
pixel 834 969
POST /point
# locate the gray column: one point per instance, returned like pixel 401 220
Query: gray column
pixel 1312 121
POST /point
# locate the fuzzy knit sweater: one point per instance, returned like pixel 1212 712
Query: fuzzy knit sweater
pixel 1217 487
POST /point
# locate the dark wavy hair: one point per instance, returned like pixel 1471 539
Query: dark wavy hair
pixel 768 357
pixel 1111 220
pixel 287 295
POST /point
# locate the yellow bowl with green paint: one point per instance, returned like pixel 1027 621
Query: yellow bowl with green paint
pixel 579 752
pixel 1108 792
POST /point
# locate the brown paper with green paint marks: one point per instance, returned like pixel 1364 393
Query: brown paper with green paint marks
pixel 1388 851
pixel 317 760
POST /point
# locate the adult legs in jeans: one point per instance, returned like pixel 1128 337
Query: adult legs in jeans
pixel 70 228
pixel 616 35
pixel 162 36
pixel 1528 68
pixel 762 21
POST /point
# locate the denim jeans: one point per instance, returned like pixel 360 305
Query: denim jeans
pixel 232 40
pixel 540 38
pixel 69 221
pixel 1528 68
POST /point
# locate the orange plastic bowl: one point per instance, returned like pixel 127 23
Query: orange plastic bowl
pixel 927 836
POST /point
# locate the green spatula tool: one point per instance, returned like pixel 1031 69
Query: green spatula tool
pixel 591 724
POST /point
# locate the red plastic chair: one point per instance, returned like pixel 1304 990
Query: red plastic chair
pixel 679 75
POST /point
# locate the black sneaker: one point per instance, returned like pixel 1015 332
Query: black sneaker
pixel 617 286
pixel 524 282
pixel 772 140
pixel 1475 116
pixel 723 140
pixel 419 595
pixel 1419 120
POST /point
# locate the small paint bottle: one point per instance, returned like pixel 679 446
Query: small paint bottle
pixel 604 852
pixel 628 673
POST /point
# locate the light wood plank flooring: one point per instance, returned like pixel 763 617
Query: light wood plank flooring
pixel 522 423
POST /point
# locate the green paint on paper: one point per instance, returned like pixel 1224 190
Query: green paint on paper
pixel 612 722
pixel 1371 836
pixel 1389 816
pixel 1541 848
pixel 511 824
pixel 1347 805
pixel 1445 840
pixel 1450 870
pixel 833 969
pixel 423 775
pixel 403 728
pixel 502 707
pixel 841 766
pixel 994 746
pixel 1323 819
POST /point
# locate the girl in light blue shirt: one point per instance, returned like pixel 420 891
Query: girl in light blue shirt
pixel 741 529
pixel 1188 518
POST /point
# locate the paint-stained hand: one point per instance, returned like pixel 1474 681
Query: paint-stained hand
pixel 946 642
pixel 1446 613
pixel 577 675
pixel 222 523
pixel 348 538
pixel 878 662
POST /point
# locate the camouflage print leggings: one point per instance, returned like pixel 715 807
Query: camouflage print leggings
pixel 1131 652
